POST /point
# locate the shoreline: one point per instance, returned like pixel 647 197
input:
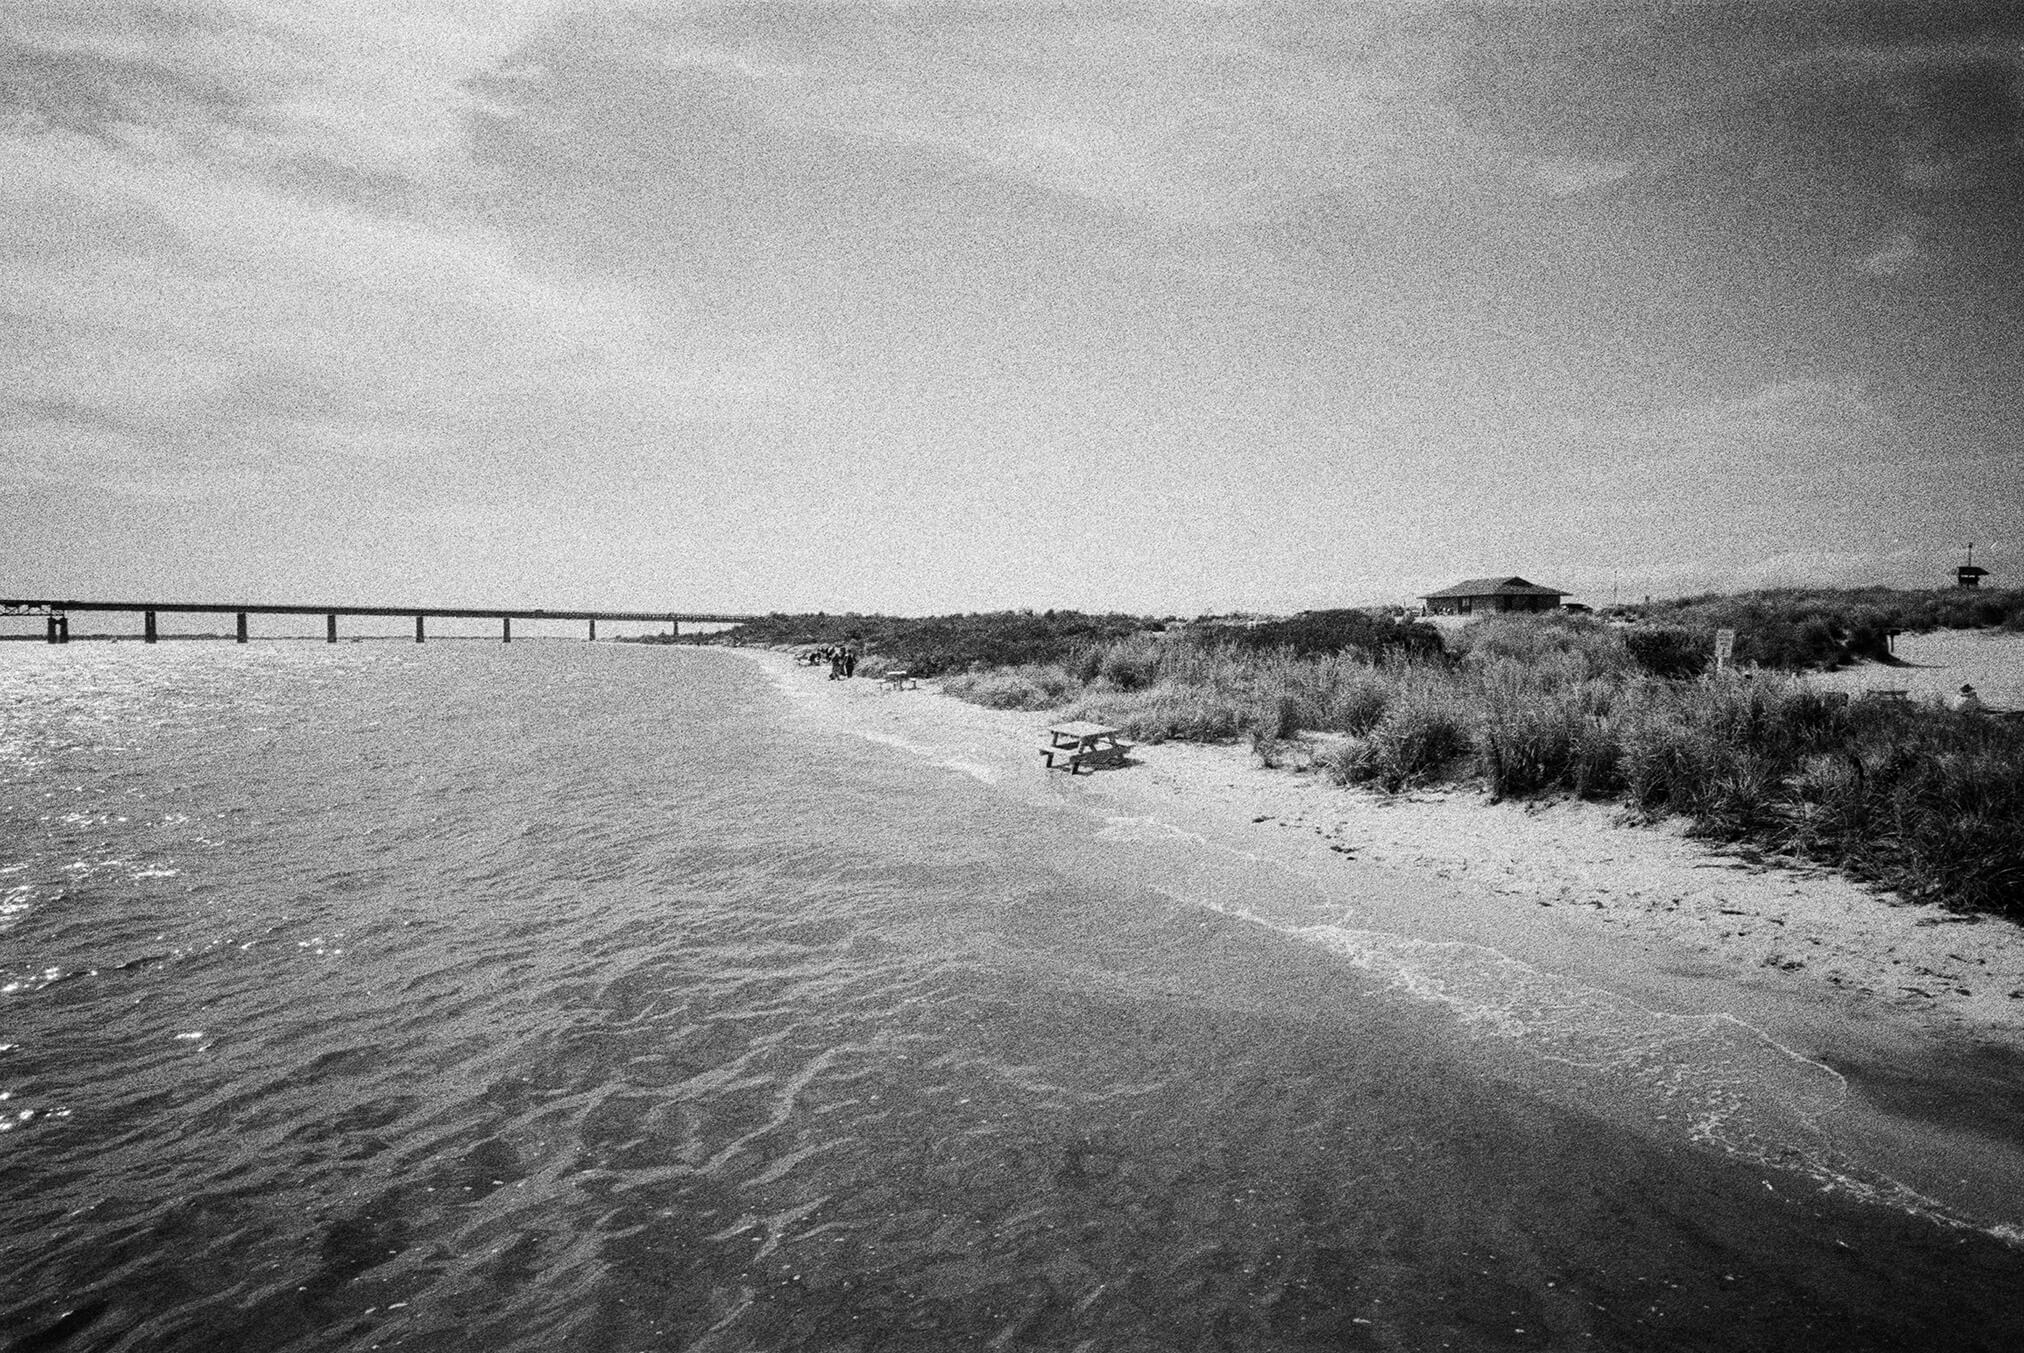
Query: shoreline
pixel 1879 1036
pixel 1568 882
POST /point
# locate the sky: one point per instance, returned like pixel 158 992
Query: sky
pixel 912 307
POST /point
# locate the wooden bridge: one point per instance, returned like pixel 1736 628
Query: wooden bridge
pixel 59 612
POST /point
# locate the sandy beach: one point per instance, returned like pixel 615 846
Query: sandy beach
pixel 1566 886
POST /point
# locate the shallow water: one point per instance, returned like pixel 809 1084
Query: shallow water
pixel 571 996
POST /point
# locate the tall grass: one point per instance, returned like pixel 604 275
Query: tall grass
pixel 937 644
pixel 1916 798
pixel 1420 737
pixel 1031 687
pixel 1536 732
pixel 1798 628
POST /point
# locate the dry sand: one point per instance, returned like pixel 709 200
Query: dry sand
pixel 1934 666
pixel 1678 905
pixel 1564 885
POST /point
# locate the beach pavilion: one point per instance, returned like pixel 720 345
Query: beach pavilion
pixel 1487 596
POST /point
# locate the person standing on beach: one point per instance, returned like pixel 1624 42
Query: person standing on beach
pixel 850 658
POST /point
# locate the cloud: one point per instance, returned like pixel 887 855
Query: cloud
pixel 1896 254
pixel 188 316
pixel 1801 458
pixel 900 270
pixel 1801 427
pixel 1570 175
pixel 1801 407
pixel 1207 113
pixel 264 82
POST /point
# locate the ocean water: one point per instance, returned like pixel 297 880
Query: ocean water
pixel 561 996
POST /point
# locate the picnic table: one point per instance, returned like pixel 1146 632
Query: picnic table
pixel 1082 743
pixel 898 678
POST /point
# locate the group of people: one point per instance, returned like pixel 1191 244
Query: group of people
pixel 842 659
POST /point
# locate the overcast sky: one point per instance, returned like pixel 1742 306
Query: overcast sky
pixel 912 307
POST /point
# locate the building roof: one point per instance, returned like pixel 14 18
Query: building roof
pixel 1494 587
pixel 1976 569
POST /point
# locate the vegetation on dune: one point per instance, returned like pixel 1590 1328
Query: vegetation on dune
pixel 1910 796
pixel 934 645
pixel 1126 648
pixel 1913 797
pixel 1030 687
pixel 1796 629
pixel 1343 631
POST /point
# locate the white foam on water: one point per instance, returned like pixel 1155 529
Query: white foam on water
pixel 975 770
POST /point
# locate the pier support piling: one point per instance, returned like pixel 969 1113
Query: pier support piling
pixel 57 630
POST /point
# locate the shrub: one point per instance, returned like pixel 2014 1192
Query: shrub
pixel 1574 646
pixel 1527 745
pixel 1697 752
pixel 1338 694
pixel 1669 651
pixel 1131 665
pixel 1355 706
pixel 1659 762
pixel 1798 629
pixel 1087 663
pixel 1366 634
pixel 945 643
pixel 1015 688
pixel 1275 717
pixel 1417 738
pixel 1167 711
pixel 1597 771
pixel 1922 800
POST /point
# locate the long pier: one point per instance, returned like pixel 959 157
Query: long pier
pixel 58 614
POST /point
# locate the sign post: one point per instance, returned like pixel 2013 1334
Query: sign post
pixel 1725 648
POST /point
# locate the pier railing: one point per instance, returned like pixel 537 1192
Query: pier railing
pixel 58 614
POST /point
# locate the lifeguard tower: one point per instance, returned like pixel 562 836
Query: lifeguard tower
pixel 1967 575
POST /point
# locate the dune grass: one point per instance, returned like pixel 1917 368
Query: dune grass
pixel 938 644
pixel 1913 797
pixel 1796 629
pixel 1038 686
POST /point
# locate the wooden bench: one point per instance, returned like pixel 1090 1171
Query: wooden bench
pixel 1071 746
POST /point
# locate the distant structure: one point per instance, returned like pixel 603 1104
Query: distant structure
pixel 1484 596
pixel 1967 575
